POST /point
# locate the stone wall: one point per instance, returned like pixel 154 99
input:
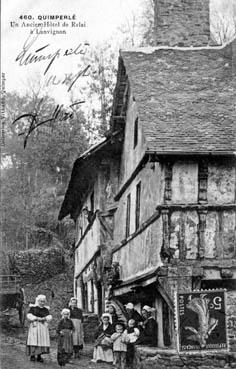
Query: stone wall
pixel 153 358
pixel 182 22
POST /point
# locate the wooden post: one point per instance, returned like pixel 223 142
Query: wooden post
pixel 166 233
pixel 168 181
pixel 202 181
pixel 201 231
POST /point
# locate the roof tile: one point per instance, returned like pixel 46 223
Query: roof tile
pixel 186 99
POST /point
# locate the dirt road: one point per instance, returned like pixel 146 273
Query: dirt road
pixel 12 356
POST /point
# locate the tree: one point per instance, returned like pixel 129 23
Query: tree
pixel 223 21
pixel 147 24
pixel 129 30
pixel 32 176
pixel 102 59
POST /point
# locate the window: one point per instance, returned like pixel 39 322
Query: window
pixel 137 210
pixel 92 202
pixel 85 297
pixel 92 296
pixel 127 230
pixel 135 132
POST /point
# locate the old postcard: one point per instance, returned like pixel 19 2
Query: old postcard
pixel 118 142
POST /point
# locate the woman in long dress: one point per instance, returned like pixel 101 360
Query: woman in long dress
pixel 103 347
pixel 76 315
pixel 38 341
pixel 149 331
pixel 65 330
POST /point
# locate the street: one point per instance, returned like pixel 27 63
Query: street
pixel 13 356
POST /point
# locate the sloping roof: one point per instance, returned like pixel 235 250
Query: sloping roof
pixel 84 173
pixel 186 97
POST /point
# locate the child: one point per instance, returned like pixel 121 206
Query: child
pixel 132 332
pixel 131 335
pixel 65 342
pixel 119 346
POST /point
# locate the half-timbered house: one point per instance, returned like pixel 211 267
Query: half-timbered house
pixel 154 203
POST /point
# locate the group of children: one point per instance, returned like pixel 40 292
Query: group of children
pixel 123 344
pixel 115 342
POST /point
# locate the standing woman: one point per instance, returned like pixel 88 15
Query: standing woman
pixel 148 334
pixel 76 315
pixel 38 341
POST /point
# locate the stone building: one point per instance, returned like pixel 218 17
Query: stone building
pixel 154 203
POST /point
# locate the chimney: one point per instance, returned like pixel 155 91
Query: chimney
pixel 182 22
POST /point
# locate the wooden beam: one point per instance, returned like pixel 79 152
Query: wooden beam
pixel 175 207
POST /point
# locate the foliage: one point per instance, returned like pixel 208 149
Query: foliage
pixel 102 59
pixel 32 178
pixel 223 21
pixel 147 24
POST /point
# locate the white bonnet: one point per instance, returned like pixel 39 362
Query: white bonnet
pixel 65 311
pixel 149 309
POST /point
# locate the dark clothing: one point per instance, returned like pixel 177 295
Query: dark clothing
pixel 40 312
pixel 65 324
pixel 104 332
pixel 130 354
pixel 130 349
pixel 103 346
pixel 101 333
pixel 149 334
pixel 114 320
pixel 120 359
pixel 133 314
pixel 76 313
pixel 65 343
pixel 130 329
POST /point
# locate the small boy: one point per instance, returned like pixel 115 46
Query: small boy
pixel 132 331
pixel 119 346
pixel 131 335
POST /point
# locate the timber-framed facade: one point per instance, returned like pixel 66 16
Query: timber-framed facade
pixel 155 203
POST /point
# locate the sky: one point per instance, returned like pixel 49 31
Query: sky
pixel 102 19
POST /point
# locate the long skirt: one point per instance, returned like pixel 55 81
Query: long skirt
pixel 65 347
pixel 38 341
pixel 103 354
pixel 78 335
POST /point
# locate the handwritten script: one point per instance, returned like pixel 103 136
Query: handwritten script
pixel 29 54
pixel 58 113
pixel 69 79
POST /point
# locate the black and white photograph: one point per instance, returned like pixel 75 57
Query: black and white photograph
pixel 118 184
